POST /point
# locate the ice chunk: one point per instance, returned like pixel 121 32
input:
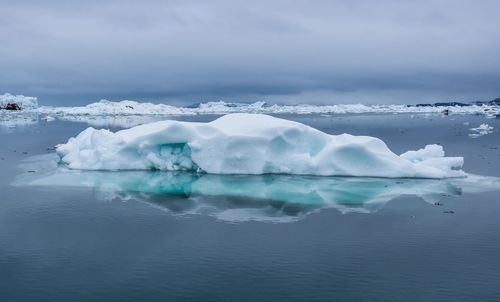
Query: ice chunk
pixel 483 129
pixel 430 151
pixel 249 144
pixel 17 102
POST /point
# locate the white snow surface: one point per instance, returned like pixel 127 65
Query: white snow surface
pixel 244 143
pixel 24 102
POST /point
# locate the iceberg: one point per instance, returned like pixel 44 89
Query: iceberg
pixel 17 102
pixel 244 143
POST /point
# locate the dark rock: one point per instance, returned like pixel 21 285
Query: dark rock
pixel 444 104
pixel 11 106
pixel 451 104
pixel 495 102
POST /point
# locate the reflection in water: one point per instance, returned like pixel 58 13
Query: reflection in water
pixel 119 121
pixel 10 121
pixel 17 119
pixel 234 198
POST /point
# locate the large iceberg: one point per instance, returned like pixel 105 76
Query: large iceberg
pixel 250 144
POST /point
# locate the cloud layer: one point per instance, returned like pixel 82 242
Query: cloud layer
pixel 280 51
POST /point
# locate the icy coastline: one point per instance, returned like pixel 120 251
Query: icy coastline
pixel 250 144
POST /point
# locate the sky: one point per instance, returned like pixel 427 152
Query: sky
pixel 186 52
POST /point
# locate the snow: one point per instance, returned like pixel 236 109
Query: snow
pixel 243 143
pixel 24 102
pixel 483 129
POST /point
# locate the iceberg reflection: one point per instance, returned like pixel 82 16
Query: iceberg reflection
pixel 13 121
pixel 236 198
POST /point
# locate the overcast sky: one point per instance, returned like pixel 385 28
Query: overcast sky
pixel 68 52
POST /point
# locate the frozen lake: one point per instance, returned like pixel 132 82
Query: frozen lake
pixel 121 236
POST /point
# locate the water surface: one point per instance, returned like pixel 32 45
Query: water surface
pixel 128 236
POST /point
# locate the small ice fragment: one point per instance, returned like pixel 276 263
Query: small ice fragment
pixel 483 129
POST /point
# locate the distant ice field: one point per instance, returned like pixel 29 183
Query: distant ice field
pixel 129 113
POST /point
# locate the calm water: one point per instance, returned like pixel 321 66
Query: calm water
pixel 96 236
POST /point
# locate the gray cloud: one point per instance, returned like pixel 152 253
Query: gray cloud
pixel 300 51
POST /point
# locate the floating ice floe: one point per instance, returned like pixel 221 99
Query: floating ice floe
pixel 16 111
pixel 483 129
pixel 17 102
pixel 239 198
pixel 250 144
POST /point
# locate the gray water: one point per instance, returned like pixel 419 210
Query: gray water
pixel 133 236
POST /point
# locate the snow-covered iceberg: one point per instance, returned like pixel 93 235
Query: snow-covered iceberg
pixel 250 144
pixel 17 102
